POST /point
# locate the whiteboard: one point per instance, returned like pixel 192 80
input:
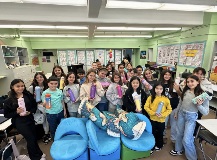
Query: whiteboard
pixel 191 54
pixel 168 54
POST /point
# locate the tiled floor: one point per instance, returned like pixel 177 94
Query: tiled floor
pixel 160 155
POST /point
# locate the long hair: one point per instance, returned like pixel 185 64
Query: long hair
pixel 153 94
pixel 35 82
pixel 197 91
pixel 88 72
pixel 147 69
pixel 170 81
pixel 59 67
pixel 67 76
pixel 13 94
pixel 138 90
pixel 119 75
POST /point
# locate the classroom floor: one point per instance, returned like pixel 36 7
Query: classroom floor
pixel 160 155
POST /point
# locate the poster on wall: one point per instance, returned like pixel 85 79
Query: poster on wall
pixel 191 54
pixel 118 56
pixel 62 58
pixel 110 55
pixel 168 55
pixel 89 57
pixel 81 57
pixel 71 57
pixel 143 55
pixel 35 60
pixel 100 55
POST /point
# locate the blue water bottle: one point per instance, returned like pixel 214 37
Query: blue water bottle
pixel 159 107
pixel 37 94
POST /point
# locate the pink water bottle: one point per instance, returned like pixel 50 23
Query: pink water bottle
pixel 22 105
pixel 92 91
pixel 146 83
pixel 71 94
pixel 119 91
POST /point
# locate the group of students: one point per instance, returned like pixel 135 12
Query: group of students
pixel 176 98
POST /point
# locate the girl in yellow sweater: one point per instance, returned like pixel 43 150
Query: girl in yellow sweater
pixel 158 107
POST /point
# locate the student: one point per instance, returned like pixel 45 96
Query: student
pixel 112 93
pixel 135 89
pixel 139 71
pixel 168 84
pixel 81 76
pixel 147 75
pixel 123 73
pixel 58 73
pixel 86 86
pixel 129 66
pixel 25 124
pixel 110 70
pixel 72 83
pixel 94 66
pixel 158 119
pixel 99 65
pixel 57 110
pixel 41 81
pixel 186 116
pixel 105 82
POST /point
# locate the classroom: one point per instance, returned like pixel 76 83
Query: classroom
pixel 108 79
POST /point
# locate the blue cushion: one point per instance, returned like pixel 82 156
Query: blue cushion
pixel 100 141
pixel 145 143
pixel 68 147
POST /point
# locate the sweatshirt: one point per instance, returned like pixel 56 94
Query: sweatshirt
pixel 72 107
pixel 105 82
pixel 151 108
pixel 187 105
pixel 85 92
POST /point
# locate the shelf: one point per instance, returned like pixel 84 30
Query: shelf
pixel 1 77
pixel 9 56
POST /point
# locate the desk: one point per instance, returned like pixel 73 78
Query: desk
pixel 4 124
pixel 209 124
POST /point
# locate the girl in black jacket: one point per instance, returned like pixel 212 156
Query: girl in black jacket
pixel 135 89
pixel 24 123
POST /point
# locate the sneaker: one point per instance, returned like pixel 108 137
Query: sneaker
pixel 176 153
pixel 48 137
pixel 151 152
pixel 43 155
pixel 45 139
pixel 157 149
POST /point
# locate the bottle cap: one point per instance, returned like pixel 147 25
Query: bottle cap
pixel 47 95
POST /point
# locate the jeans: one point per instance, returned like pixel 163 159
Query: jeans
pixel 173 124
pixel 102 107
pixel 185 129
pixel 54 121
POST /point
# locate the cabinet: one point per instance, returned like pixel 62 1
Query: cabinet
pixel 17 56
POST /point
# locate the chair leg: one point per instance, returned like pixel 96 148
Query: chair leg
pixel 216 155
pixel 201 147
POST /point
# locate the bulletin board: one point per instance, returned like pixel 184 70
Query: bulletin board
pixel 118 56
pixel 100 55
pixel 81 56
pixel 107 55
pixel 191 54
pixel 168 54
pixel 89 57
pixel 66 57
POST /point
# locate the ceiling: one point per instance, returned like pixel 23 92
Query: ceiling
pixel 95 14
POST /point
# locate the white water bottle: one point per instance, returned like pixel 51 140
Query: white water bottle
pixel 177 81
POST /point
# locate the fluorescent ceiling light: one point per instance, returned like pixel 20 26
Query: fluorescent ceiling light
pixel 50 35
pixel 167 29
pixel 184 7
pixel 132 4
pixel 134 29
pixel 124 36
pixel 54 2
pixel 213 9
pixel 43 26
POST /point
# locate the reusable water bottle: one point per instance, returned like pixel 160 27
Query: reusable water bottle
pixel 62 82
pixel 159 107
pixel 37 94
pixel 92 91
pixel 125 70
pixel 21 104
pixel 137 103
pixel 71 94
pixel 177 81
pixel 146 83
pixel 119 91
pixel 48 101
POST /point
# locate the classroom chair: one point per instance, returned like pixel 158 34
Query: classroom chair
pixel 140 148
pixel 70 141
pixel 101 145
